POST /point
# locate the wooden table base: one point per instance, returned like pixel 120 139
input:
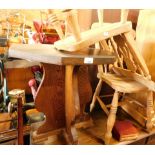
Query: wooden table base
pixel 58 98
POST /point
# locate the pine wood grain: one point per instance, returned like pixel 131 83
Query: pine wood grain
pixel 92 36
pixel 48 54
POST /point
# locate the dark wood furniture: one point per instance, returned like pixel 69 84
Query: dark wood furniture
pixel 61 94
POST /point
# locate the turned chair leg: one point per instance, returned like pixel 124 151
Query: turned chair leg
pixel 150 110
pixel 96 93
pixel 111 118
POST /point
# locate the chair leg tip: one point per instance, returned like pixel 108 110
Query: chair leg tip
pixel 91 107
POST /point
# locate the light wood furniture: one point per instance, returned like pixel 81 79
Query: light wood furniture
pixel 129 75
pixel 58 94
pixel 145 41
pixel 79 40
pixel 89 136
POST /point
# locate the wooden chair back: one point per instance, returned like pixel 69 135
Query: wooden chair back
pixel 130 63
pixel 129 75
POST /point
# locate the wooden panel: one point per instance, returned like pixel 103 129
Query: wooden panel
pixel 18 73
pixel 17 78
pixel 146 39
pixel 53 89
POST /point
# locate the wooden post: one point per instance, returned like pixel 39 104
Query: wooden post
pixel 100 16
pixel 70 135
pixel 20 121
pixel 111 118
pixel 124 15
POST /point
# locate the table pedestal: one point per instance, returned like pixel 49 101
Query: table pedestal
pixel 62 96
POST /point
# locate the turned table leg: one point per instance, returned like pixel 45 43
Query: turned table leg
pixel 111 118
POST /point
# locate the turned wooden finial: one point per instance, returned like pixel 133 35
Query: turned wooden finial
pixel 72 20
pixel 124 15
pixel 53 20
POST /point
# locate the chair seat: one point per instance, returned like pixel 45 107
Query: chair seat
pixel 122 84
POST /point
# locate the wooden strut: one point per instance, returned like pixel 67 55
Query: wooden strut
pixel 96 93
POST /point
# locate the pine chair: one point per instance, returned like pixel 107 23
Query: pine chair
pixel 78 40
pixel 129 74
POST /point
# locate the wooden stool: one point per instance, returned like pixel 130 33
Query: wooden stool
pixel 79 40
